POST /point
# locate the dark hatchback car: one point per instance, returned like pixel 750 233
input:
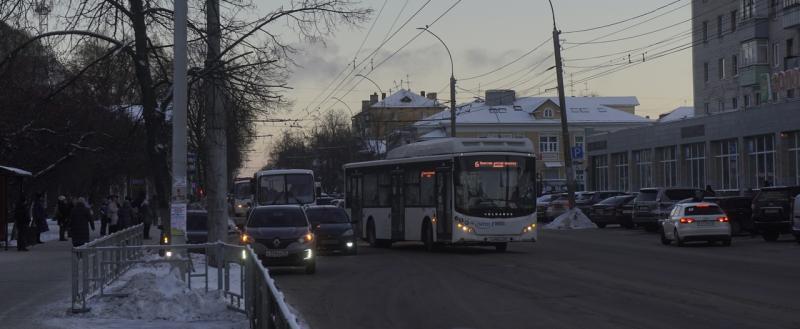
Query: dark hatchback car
pixel 333 229
pixel 739 211
pixel 586 200
pixel 281 236
pixel 610 211
pixel 772 211
pixel 655 204
pixel 543 202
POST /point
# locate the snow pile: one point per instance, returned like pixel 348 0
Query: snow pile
pixel 571 219
pixel 154 296
pixel 51 235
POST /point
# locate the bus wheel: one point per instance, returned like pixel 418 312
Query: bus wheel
pixel 373 241
pixel 427 236
pixel 501 247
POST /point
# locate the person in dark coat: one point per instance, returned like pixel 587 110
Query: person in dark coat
pixel 39 217
pixel 62 216
pixel 80 219
pixel 147 218
pixel 21 222
pixel 125 215
pixel 710 191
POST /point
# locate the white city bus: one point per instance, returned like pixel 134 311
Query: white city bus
pixel 468 191
pixel 284 186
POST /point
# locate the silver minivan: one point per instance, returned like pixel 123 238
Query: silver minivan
pixel 655 203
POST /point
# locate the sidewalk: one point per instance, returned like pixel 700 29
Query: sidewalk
pixel 30 281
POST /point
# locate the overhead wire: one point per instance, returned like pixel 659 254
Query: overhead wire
pixel 622 21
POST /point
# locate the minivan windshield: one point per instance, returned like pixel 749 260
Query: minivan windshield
pixel 647 195
pixel 327 216
pixel 776 195
pixel 277 217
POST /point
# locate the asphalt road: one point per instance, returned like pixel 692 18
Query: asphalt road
pixel 609 278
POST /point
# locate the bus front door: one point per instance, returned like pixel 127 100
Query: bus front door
pixel 444 220
pixel 355 202
pixel 398 206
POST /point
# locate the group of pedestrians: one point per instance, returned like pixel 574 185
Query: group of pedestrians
pixel 76 217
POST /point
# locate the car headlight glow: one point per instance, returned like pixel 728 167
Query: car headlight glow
pixel 308 237
pixel 309 254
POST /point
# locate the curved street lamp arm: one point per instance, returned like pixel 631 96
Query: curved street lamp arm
pixel 345 104
pixel 370 80
pixel 452 66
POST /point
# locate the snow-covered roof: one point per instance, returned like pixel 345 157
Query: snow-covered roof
pixel 685 112
pixel 579 110
pixel 375 146
pixel 405 98
pixel 15 171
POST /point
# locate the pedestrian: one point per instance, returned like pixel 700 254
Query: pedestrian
pixel 80 220
pixel 767 183
pixel 21 222
pixel 62 217
pixel 113 214
pixel 147 218
pixel 710 191
pixel 125 215
pixel 39 215
pixel 104 219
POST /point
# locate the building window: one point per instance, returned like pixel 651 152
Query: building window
pixel 790 47
pixel 735 103
pixel 600 166
pixel 719 27
pixel 754 52
pixel 643 177
pixel 580 179
pixel 794 151
pixel 721 68
pixel 707 108
pixel 726 162
pixel 548 144
pixel 621 169
pixel 695 159
pixel 705 72
pixel 746 100
pixel 758 98
pixel 789 93
pixel 747 9
pixel 579 141
pixel 735 65
pixel 548 113
pixel 776 54
pixel 761 156
pixel 705 31
pixel 669 166
pixel 733 21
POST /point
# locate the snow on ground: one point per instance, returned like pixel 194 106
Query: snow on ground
pixel 571 219
pixel 157 297
pixel 51 235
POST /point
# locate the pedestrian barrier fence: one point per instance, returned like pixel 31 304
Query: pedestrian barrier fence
pixel 100 263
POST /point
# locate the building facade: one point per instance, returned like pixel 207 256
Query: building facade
pixel 501 114
pixel 380 119
pixel 744 132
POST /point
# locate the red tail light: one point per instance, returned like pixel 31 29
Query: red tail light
pixel 687 220
pixel 723 219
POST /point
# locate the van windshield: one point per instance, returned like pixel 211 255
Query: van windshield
pixel 279 217
pixel 647 195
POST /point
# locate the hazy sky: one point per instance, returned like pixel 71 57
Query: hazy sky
pixel 484 35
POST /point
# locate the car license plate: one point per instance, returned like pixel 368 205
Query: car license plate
pixel 276 253
pixel 705 223
pixel 771 211
pixel 498 239
pixel 330 242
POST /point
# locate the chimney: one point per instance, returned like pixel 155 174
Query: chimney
pixel 373 98
pixel 432 96
pixel 383 96
pixel 422 93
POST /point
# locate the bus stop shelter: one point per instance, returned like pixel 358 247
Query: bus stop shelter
pixel 9 175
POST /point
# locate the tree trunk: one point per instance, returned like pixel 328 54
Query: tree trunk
pixel 156 156
pixel 216 140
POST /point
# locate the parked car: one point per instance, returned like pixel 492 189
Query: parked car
pixel 796 213
pixel 324 200
pixel 586 200
pixel 543 202
pixel 627 209
pixel 654 204
pixel 610 211
pixel 772 211
pixel 696 221
pixel 739 210
pixel 559 206
pixel 333 229
pixel 281 236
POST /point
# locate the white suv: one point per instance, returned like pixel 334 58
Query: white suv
pixel 696 221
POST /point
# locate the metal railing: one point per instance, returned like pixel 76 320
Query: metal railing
pixel 100 263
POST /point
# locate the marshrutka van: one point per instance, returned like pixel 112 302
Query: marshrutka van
pixel 449 191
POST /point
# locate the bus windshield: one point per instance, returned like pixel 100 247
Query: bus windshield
pixel 486 184
pixel 286 189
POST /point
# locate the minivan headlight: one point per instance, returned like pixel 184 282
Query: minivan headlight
pixel 308 237
pixel 348 233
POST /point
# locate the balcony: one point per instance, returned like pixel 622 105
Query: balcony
pixel 791 16
pixel 753 75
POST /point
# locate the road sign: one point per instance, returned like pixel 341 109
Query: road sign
pixel 577 152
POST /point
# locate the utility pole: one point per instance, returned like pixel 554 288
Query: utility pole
pixel 565 140
pixel 216 139
pixel 452 83
pixel 179 185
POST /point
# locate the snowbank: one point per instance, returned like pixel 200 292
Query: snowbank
pixel 51 235
pixel 571 219
pixel 156 298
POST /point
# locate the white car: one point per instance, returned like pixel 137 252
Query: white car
pixel 696 221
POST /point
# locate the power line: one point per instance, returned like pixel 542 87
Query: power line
pixel 509 63
pixel 595 40
pixel 624 20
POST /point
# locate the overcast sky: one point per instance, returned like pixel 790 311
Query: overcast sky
pixel 484 35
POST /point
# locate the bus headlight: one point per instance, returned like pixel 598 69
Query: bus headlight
pixel 466 229
pixel 529 228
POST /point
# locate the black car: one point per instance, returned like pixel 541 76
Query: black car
pixel 772 211
pixel 610 211
pixel 196 226
pixel 333 229
pixel 655 204
pixel 739 211
pixel 281 236
pixel 586 200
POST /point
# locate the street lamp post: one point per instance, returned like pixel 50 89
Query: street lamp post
pixel 452 83
pixel 370 80
pixel 562 104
